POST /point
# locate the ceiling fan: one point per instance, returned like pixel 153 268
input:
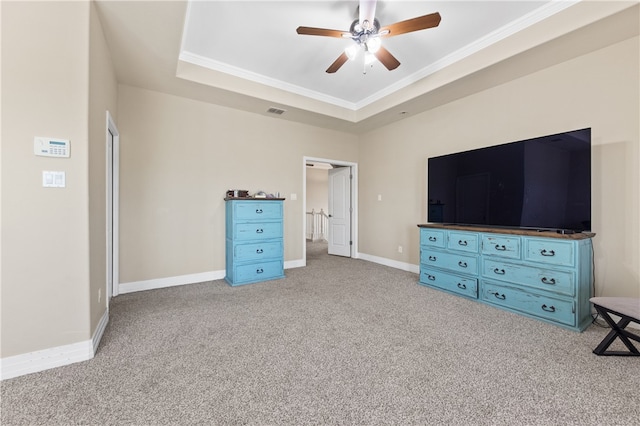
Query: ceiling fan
pixel 367 34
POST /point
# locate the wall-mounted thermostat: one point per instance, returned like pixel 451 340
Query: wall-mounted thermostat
pixel 49 147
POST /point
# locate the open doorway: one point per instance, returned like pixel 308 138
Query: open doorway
pixel 330 206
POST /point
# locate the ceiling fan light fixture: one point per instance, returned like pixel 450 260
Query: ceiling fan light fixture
pixel 373 44
pixel 369 58
pixel 352 51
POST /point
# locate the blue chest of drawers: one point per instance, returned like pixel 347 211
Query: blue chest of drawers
pixel 254 243
pixel 540 275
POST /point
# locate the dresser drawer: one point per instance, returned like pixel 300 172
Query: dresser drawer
pixel 463 241
pixel 554 309
pixel 450 282
pixel 258 251
pixel 257 210
pixel 432 237
pixel 254 231
pixel 562 282
pixel 549 251
pixel 499 245
pixel 452 261
pixel 259 271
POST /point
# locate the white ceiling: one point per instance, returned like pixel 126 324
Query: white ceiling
pixel 247 55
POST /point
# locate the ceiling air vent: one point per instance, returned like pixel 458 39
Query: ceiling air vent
pixel 276 111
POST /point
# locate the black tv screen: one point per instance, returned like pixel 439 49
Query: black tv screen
pixel 542 183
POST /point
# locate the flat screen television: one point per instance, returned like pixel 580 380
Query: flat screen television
pixel 542 183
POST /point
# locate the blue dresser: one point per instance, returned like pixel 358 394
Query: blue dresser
pixel 254 243
pixel 542 275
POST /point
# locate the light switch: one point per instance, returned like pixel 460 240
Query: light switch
pixel 294 197
pixel 53 179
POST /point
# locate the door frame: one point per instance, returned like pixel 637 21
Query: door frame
pixel 354 202
pixel 113 208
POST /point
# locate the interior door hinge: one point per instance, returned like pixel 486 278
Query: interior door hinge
pixel 350 243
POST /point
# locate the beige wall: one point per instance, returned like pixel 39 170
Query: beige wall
pixel 599 90
pixel 45 232
pixel 178 157
pixel 103 90
pixel 317 189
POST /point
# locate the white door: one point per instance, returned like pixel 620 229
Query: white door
pixel 340 211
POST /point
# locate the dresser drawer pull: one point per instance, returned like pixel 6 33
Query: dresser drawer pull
pixel 545 280
pixel 498 295
pixel 259 211
pixel 544 252
pixel 462 264
pixel 462 243
pixel 259 251
pixel 431 278
pixel 433 239
pixel 462 286
pixel 500 247
pixel 499 271
pixel 548 308
pixel 259 231
pixel 432 258
pixel 259 271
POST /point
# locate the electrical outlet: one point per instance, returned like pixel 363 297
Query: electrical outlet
pixel 99 295
pixel 399 249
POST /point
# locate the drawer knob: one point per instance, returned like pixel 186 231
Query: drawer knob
pixel 548 308
pixel 432 239
pixel 551 281
pixel 259 251
pixel 498 295
pixel 432 258
pixel 462 243
pixel 499 271
pixel 462 286
pixel 259 271
pixel 258 211
pixel 544 252
pixel 462 264
pixel 259 231
pixel 431 278
pixel 500 247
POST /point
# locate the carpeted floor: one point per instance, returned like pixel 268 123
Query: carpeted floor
pixel 341 341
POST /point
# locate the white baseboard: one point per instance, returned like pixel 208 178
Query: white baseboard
pixel 170 281
pixel 153 284
pixel 45 359
pixel 409 267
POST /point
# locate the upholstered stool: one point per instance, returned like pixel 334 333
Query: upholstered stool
pixel 628 309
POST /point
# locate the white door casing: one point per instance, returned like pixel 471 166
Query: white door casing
pixel 113 150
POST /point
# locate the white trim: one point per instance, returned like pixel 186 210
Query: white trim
pixel 299 263
pixel 46 359
pixel 409 267
pixel 99 331
pixel 212 64
pixel 201 277
pixel 354 202
pixel 153 284
pixel 113 208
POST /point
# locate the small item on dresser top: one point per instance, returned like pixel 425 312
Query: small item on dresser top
pixel 237 193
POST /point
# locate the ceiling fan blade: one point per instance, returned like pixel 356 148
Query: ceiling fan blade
pixel 322 32
pixel 414 24
pixel 367 11
pixel 387 59
pixel 335 66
